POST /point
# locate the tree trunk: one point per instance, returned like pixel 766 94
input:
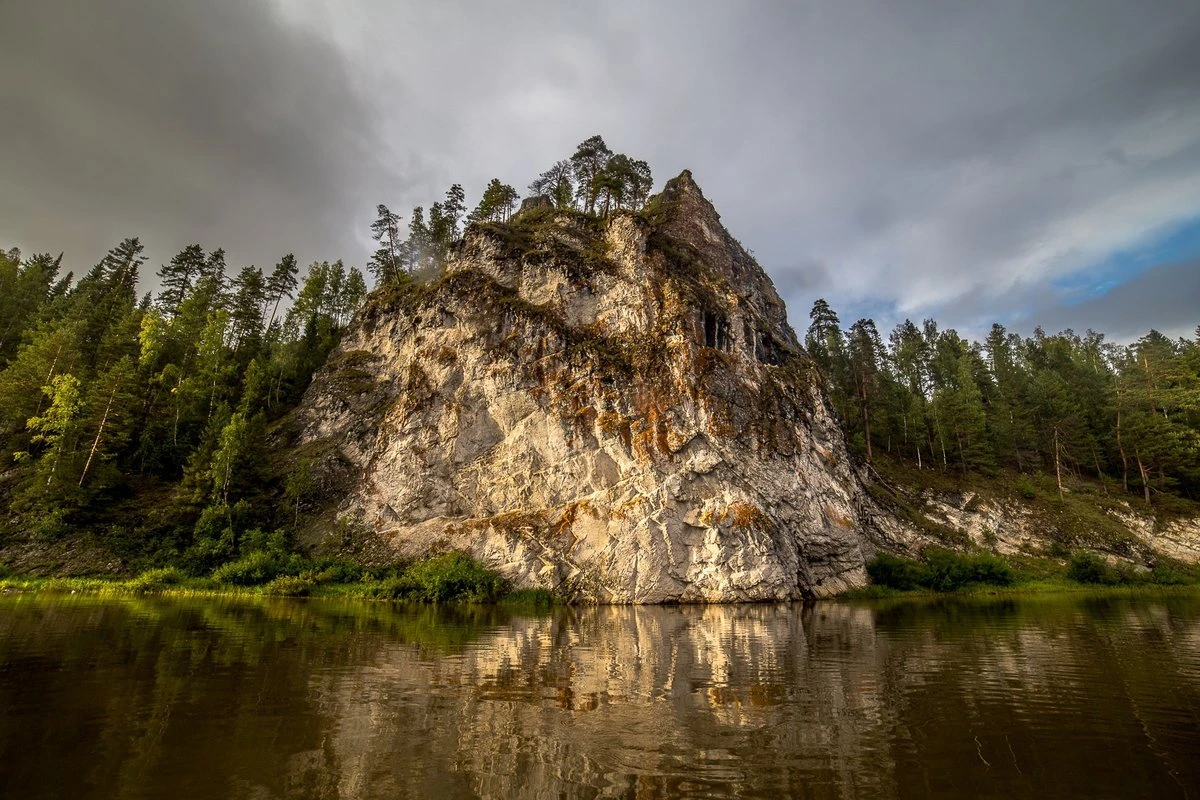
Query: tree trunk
pixel 962 456
pixel 1145 473
pixel 1124 458
pixel 1099 473
pixel 99 433
pixel 1057 466
pixel 866 417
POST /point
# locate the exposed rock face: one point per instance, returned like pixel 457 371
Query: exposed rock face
pixel 617 411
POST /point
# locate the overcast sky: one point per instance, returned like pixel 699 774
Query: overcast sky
pixel 1027 162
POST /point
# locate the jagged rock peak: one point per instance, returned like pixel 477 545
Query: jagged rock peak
pixel 617 411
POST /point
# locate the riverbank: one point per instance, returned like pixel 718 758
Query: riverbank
pixel 384 590
pixel 450 578
pixel 456 578
pixel 1040 588
pixel 942 572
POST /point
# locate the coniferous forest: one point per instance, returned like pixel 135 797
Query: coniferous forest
pixel 1064 405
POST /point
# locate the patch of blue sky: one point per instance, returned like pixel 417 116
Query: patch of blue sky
pixel 1177 243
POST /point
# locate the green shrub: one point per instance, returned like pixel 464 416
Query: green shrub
pixel 1170 575
pixel 289 586
pixel 893 572
pixel 207 552
pixel 454 576
pixel 337 571
pixel 990 570
pixel 396 587
pixel 1087 567
pixel 153 580
pixel 942 571
pixel 257 568
pixel 442 579
pixel 4 571
pixel 1025 488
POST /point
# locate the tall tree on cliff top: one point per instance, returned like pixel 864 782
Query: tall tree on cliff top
pixel 385 263
pixel 454 208
pixel 866 354
pixel 556 183
pixel 587 163
pixel 496 204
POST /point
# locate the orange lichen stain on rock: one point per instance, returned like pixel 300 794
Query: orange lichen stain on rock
pixel 745 516
pixel 570 512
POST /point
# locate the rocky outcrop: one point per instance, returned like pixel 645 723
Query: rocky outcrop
pixel 617 411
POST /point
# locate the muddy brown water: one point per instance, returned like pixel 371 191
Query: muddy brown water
pixel 218 698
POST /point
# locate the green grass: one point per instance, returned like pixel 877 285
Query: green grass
pixel 452 578
pixel 941 572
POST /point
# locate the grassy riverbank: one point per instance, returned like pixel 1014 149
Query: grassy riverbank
pixel 449 578
pixel 944 572
pixel 456 578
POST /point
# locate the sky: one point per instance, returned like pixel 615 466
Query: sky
pixel 1032 163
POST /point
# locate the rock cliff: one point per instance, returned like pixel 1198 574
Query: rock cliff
pixel 617 410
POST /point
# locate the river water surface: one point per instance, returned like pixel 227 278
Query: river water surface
pixel 215 698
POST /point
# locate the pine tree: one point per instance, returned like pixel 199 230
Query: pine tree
pixel 496 204
pixel 865 357
pixel 454 207
pixel 246 312
pixel 177 277
pixel 587 163
pixel 386 264
pixel 281 284
pixel 557 183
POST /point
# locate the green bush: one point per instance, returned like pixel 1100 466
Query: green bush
pixel 1088 567
pixel 888 570
pixel 207 552
pixel 1172 575
pixel 947 570
pixel 442 579
pixel 153 580
pixel 289 586
pixel 396 587
pixel 337 571
pixel 991 570
pixel 257 568
pixel 454 576
pixel 942 571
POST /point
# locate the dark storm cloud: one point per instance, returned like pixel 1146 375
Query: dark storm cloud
pixel 211 121
pixel 954 159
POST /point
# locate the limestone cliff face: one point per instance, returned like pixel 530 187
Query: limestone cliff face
pixel 617 411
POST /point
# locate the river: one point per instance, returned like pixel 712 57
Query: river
pixel 215 698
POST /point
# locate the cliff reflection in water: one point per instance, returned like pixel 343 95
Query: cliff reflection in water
pixel 211 698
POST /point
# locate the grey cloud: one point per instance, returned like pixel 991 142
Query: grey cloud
pixel 1166 298
pixel 936 158
pixel 214 122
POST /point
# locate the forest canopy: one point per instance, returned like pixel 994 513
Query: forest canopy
pixel 1070 405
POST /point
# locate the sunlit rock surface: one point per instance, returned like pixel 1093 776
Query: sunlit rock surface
pixel 618 411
